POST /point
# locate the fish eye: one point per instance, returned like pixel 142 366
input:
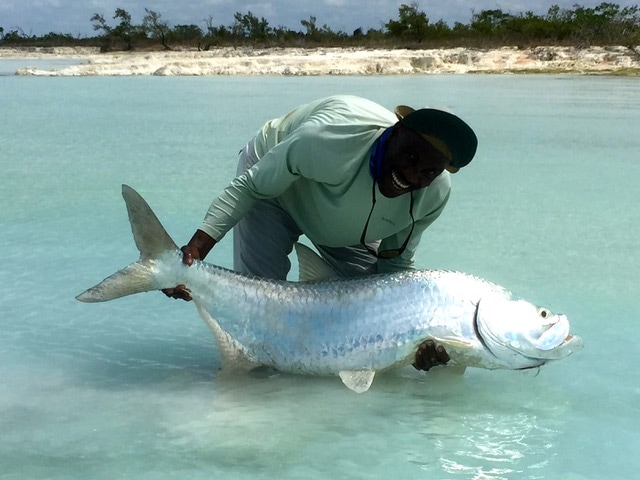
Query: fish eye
pixel 544 313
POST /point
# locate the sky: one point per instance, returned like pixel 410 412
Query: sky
pixel 38 17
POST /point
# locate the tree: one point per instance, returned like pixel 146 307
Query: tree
pixel 100 24
pixel 249 26
pixel 55 38
pixel 14 36
pixel 490 22
pixel 311 31
pixel 187 34
pixel 605 24
pixel 156 28
pixel 209 23
pixel 440 29
pixel 125 30
pixel 412 24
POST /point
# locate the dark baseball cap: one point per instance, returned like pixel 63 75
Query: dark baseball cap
pixel 445 131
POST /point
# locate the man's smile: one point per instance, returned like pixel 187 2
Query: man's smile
pixel 397 182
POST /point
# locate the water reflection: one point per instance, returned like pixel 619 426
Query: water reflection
pixel 502 425
pixel 496 431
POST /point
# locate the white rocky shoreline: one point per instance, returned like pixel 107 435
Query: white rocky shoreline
pixel 331 61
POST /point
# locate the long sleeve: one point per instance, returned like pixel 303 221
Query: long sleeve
pixel 406 260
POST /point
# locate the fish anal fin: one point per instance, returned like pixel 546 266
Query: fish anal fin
pixel 232 359
pixel 359 381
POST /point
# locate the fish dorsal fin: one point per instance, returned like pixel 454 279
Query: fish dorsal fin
pixel 359 381
pixel 311 265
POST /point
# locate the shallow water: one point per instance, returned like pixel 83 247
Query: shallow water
pixel 131 388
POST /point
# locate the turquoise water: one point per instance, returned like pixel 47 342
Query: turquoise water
pixel 130 389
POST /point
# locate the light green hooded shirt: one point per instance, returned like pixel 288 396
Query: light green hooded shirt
pixel 315 162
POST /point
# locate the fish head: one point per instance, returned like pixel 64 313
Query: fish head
pixel 522 335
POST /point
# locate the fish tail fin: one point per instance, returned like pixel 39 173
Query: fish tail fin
pixel 135 278
pixel 151 239
pixel 150 236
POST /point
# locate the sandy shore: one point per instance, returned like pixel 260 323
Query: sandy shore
pixel 333 61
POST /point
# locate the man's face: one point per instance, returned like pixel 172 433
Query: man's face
pixel 410 162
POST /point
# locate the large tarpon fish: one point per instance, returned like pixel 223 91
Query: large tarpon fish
pixel 351 327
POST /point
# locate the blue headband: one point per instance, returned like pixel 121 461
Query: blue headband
pixel 375 161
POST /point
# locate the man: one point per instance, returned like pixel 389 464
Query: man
pixel 361 182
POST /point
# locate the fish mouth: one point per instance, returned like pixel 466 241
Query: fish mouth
pixel 557 341
pixel 398 182
pixel 554 343
pixel 555 334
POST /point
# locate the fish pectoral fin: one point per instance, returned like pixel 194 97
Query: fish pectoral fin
pixel 359 381
pixel 453 343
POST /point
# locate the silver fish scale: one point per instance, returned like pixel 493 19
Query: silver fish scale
pixel 351 327
pixel 326 327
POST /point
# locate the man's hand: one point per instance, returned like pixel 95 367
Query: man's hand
pixel 189 254
pixel 197 248
pixel 181 292
pixel 428 356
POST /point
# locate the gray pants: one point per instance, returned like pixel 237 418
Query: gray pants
pixel 264 238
